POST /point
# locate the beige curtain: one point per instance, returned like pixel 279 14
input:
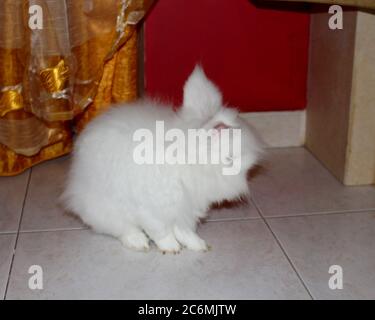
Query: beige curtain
pixel 55 79
pixel 367 4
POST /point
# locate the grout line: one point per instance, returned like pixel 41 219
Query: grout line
pixel 231 219
pixel 18 233
pixel 322 213
pixel 293 215
pixel 7 233
pixel 83 228
pixel 55 230
pixel 283 250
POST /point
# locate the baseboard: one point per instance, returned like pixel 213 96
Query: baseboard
pixel 279 129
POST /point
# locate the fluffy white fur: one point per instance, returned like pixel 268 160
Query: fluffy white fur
pixel 136 203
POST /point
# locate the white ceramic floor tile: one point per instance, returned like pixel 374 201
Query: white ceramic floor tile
pixel 42 210
pixel 245 263
pixel 293 182
pixel 6 253
pixel 12 194
pixel 314 243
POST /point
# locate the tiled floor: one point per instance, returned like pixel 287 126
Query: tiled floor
pixel 300 222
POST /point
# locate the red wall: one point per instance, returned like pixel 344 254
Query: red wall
pixel 257 56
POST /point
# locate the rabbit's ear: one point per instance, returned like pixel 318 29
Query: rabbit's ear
pixel 224 119
pixel 202 99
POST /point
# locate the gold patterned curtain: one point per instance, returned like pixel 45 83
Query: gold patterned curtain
pixel 366 4
pixel 55 79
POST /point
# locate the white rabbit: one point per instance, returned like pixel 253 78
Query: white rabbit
pixel 161 202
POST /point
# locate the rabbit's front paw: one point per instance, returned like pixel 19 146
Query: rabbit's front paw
pixel 136 240
pixel 168 244
pixel 190 239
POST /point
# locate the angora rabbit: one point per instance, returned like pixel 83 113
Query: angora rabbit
pixel 158 201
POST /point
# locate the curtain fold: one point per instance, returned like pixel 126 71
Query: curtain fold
pixel 54 80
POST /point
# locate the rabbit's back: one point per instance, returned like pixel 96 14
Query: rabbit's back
pixel 105 175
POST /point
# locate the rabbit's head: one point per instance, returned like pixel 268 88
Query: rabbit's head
pixel 231 138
